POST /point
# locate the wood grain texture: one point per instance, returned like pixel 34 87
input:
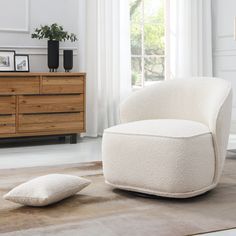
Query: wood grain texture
pixel 7 105
pixel 51 104
pixel 17 112
pixel 35 104
pixel 51 122
pixel 33 74
pixel 43 133
pixel 50 118
pixel 15 85
pixel 7 124
pixel 64 85
pixel 84 104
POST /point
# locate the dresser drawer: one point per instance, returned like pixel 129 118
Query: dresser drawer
pixel 60 85
pixel 70 122
pixel 7 105
pixel 51 104
pixel 19 85
pixel 7 124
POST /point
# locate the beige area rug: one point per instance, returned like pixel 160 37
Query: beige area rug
pixel 101 211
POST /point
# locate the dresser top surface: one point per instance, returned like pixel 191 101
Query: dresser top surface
pixel 48 74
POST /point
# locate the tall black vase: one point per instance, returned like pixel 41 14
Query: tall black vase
pixel 53 55
pixel 68 60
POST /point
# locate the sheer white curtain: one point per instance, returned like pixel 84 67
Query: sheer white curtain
pixel 108 63
pixel 188 38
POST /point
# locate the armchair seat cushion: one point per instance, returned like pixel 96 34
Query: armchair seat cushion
pixel 171 128
pixel 164 157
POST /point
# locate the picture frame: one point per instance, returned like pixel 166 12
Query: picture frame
pixel 7 60
pixel 22 63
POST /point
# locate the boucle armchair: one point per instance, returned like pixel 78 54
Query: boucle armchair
pixel 173 138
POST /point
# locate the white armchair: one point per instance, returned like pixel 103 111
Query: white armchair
pixel 173 138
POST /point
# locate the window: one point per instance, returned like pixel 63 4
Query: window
pixel 147 41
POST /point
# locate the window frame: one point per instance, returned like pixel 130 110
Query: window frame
pixel 143 55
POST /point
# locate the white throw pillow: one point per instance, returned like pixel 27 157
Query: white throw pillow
pixel 47 189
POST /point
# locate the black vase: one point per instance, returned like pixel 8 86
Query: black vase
pixel 68 60
pixel 53 55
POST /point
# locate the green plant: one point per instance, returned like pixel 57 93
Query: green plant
pixel 53 32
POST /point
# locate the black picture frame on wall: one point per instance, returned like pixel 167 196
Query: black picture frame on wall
pixel 7 60
pixel 22 63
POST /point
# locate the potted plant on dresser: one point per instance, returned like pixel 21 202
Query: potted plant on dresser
pixel 55 34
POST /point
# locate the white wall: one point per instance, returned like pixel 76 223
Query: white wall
pixel 224 45
pixel 14 23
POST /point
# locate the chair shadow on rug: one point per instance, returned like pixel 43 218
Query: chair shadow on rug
pixel 132 194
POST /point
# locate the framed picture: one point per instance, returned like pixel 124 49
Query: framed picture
pixel 22 63
pixel 7 63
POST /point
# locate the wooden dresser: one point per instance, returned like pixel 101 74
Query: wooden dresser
pixel 38 104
